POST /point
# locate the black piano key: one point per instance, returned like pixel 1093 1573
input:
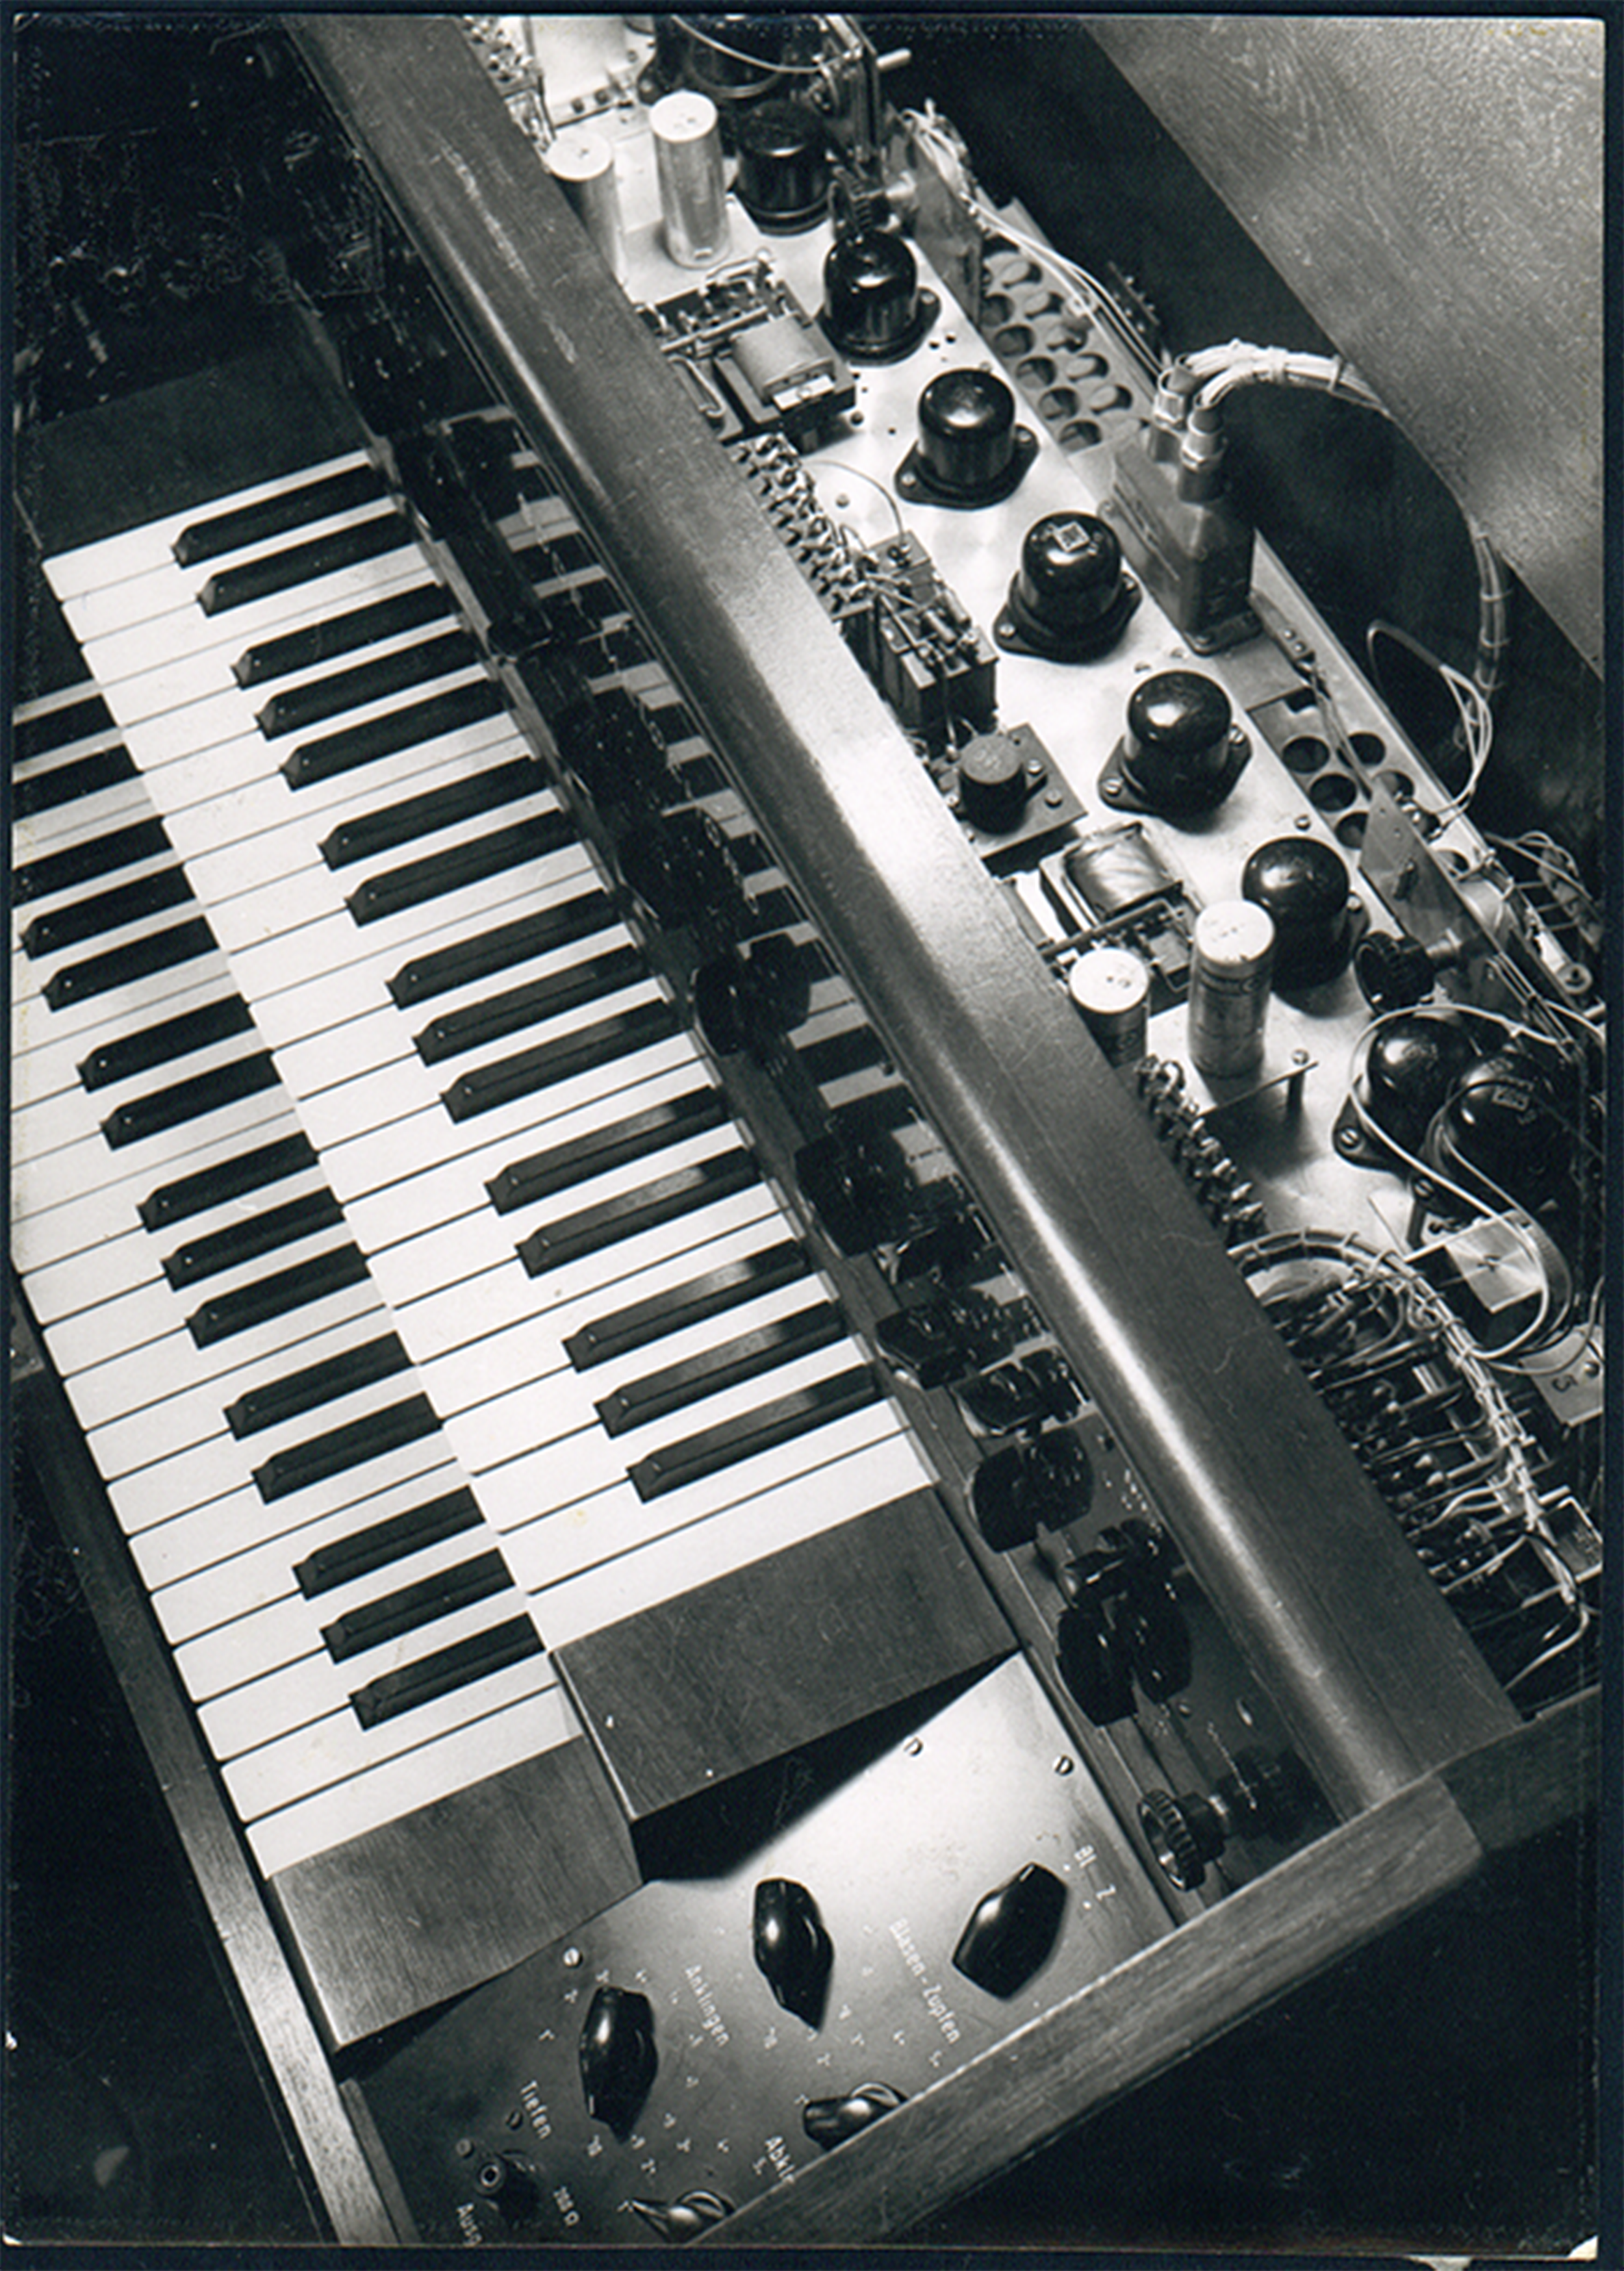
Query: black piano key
pixel 397 729
pixel 74 721
pixel 414 1606
pixel 499 1083
pixel 188 1100
pixel 83 862
pixel 382 1543
pixel 665 1200
pixel 276 515
pixel 858 1049
pixel 371 834
pixel 302 563
pixel 486 952
pixel 324 642
pixel 341 1448
pixel 238 1312
pixel 660 1393
pixel 104 911
pixel 296 707
pixel 770 1424
pixel 458 864
pixel 163 1043
pixel 100 974
pixel 448 1669
pixel 232 1178
pixel 308 1389
pixel 522 1006
pixel 543 1173
pixel 48 792
pixel 254 1235
pixel 641 1323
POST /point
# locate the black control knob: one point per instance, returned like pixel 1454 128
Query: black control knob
pixel 970 451
pixel 857 1186
pixel 1017 1396
pixel 940 1248
pixel 1091 1657
pixel 681 868
pixel 685 2217
pixel 1302 884
pixel 1181 753
pixel 940 1341
pixel 748 998
pixel 793 1952
pixel 874 309
pixel 830 2121
pixel 508 2186
pixel 1393 973
pixel 783 179
pixel 1011 1931
pixel 1260 1798
pixel 1031 1487
pixel 993 784
pixel 1071 598
pixel 618 2058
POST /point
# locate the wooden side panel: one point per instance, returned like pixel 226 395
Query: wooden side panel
pixel 783 1651
pixel 426 1907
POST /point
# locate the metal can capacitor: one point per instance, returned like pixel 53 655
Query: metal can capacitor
pixel 1231 966
pixel 583 165
pixel 1112 989
pixel 687 163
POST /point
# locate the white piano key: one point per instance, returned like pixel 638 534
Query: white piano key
pixel 248 1655
pixel 82 1160
pixel 460 1315
pixel 579 1459
pixel 114 558
pixel 626 1569
pixel 261 1574
pixel 331 1746
pixel 80 820
pixel 46 1063
pixel 45 1123
pixel 185 1548
pixel 298 1830
pixel 197 653
pixel 117 1008
pixel 158 1479
pixel 209 1529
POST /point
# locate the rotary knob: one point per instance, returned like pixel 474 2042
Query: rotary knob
pixel 685 2217
pixel 970 451
pixel 1303 885
pixel 1260 1796
pixel 830 2121
pixel 874 309
pixel 618 2058
pixel 1181 753
pixel 792 1952
pixel 1071 598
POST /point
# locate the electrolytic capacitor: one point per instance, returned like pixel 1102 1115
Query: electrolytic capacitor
pixel 582 166
pixel 688 163
pixel 1112 988
pixel 1230 971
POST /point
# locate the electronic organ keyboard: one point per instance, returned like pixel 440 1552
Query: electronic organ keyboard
pixel 529 1121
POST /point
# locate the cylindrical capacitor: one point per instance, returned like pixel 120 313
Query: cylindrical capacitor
pixel 582 166
pixel 1229 970
pixel 688 163
pixel 1112 988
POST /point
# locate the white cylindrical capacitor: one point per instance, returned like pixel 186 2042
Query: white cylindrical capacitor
pixel 582 166
pixel 1112 988
pixel 687 163
pixel 1229 970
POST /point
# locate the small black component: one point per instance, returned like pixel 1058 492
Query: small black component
pixel 1259 1798
pixel 1011 1931
pixel 856 1186
pixel 1393 973
pixel 1031 1487
pixel 1181 754
pixel 618 2058
pixel 1071 598
pixel 1091 1655
pixel 1017 1396
pixel 683 871
pixel 830 2121
pixel 1303 886
pixel 1410 1067
pixel 940 1341
pixel 993 784
pixel 783 181
pixel 940 1249
pixel 747 998
pixel 970 451
pixel 793 1952
pixel 874 309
